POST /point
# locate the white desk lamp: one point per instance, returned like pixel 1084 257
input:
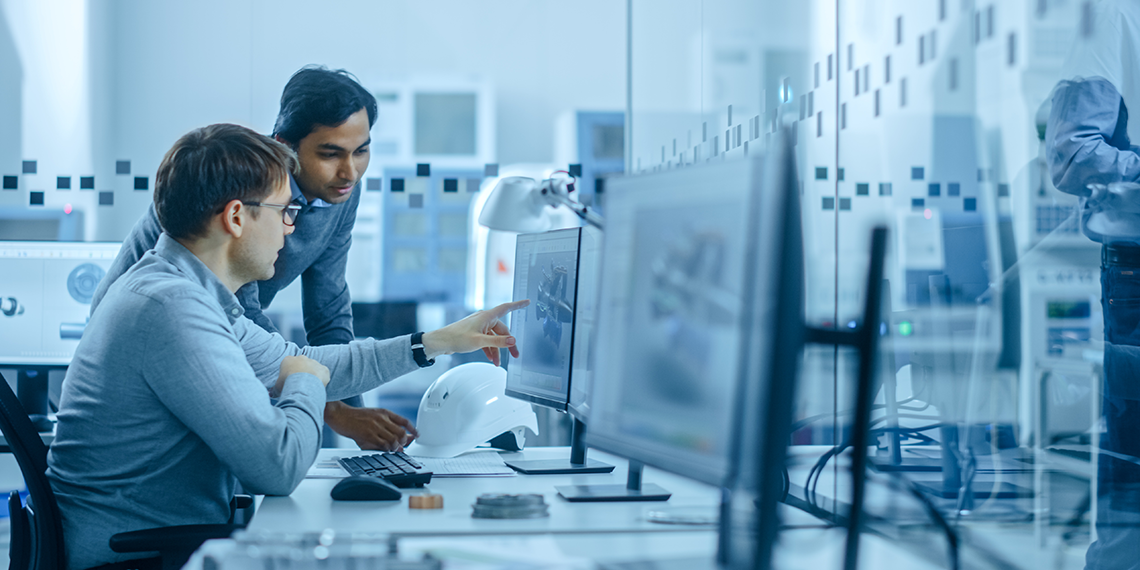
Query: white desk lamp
pixel 520 204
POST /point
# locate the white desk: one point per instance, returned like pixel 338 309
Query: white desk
pixel 309 508
pixel 607 533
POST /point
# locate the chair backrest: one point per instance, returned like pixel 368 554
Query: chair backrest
pixel 31 453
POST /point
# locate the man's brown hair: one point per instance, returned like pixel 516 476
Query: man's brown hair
pixel 211 166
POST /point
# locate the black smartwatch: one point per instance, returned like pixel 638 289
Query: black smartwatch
pixel 418 351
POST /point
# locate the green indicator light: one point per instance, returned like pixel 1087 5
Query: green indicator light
pixel 905 329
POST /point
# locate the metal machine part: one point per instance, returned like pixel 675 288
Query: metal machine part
pixel 83 281
pixel 525 506
pixel 10 307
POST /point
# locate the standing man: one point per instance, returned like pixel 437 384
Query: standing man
pixel 1090 150
pixel 325 117
pixel 166 405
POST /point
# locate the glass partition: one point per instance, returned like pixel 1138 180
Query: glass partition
pixel 992 140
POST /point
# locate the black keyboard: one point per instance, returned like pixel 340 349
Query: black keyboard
pixel 397 468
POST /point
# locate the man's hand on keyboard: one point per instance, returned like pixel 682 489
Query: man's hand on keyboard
pixel 371 428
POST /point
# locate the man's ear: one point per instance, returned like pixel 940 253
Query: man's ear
pixel 233 218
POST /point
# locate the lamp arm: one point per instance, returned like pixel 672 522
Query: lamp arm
pixel 583 211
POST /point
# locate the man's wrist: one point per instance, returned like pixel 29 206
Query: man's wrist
pixel 433 346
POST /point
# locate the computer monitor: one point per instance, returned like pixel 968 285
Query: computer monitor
pixel 964 339
pixel 45 298
pixel 700 333
pixel 670 316
pixel 557 271
pixel 546 272
pixel 956 326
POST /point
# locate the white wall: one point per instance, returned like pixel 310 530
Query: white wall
pixel 154 70
pixel 45 91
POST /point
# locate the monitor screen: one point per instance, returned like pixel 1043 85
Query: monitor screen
pixel 546 272
pixel 670 317
pixel 45 298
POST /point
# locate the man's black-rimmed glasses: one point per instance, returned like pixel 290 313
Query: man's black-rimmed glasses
pixel 289 212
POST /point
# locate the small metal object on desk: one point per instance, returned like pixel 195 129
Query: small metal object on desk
pixel 492 506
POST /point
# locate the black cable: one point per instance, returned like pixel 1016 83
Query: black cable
pixel 817 470
pixel 932 511
pixel 910 486
pixel 968 465
pixel 900 405
pixel 787 485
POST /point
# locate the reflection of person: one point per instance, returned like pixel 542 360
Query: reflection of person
pixel 166 404
pixel 1088 141
pixel 325 117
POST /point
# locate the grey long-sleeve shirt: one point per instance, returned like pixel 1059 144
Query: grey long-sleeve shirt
pixel 166 406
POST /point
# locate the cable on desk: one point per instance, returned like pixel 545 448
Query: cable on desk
pixel 900 405
pixel 787 482
pixel 952 539
pixel 932 511
pixel 817 470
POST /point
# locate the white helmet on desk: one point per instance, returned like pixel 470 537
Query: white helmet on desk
pixel 467 406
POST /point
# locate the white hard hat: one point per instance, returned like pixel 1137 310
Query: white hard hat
pixel 467 406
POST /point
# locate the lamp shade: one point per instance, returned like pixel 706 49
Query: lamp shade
pixel 516 205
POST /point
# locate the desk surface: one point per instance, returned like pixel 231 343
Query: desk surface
pixel 309 508
pixel 607 533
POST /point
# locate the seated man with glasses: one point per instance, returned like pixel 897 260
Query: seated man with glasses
pixel 166 405
pixel 325 117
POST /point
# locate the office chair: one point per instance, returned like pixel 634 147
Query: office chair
pixel 36 531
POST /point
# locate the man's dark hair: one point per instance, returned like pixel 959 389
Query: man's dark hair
pixel 211 166
pixel 317 95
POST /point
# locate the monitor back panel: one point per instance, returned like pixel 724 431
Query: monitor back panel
pixel 583 360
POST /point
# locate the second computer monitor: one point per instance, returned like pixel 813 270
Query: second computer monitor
pixel 558 272
pixel 546 272
pixel 670 317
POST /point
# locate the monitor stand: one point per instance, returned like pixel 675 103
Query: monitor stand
pixel 576 465
pixel 633 490
pixel 894 461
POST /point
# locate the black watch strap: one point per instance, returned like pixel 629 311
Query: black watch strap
pixel 418 351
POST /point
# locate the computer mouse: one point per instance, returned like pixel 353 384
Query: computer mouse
pixel 359 488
